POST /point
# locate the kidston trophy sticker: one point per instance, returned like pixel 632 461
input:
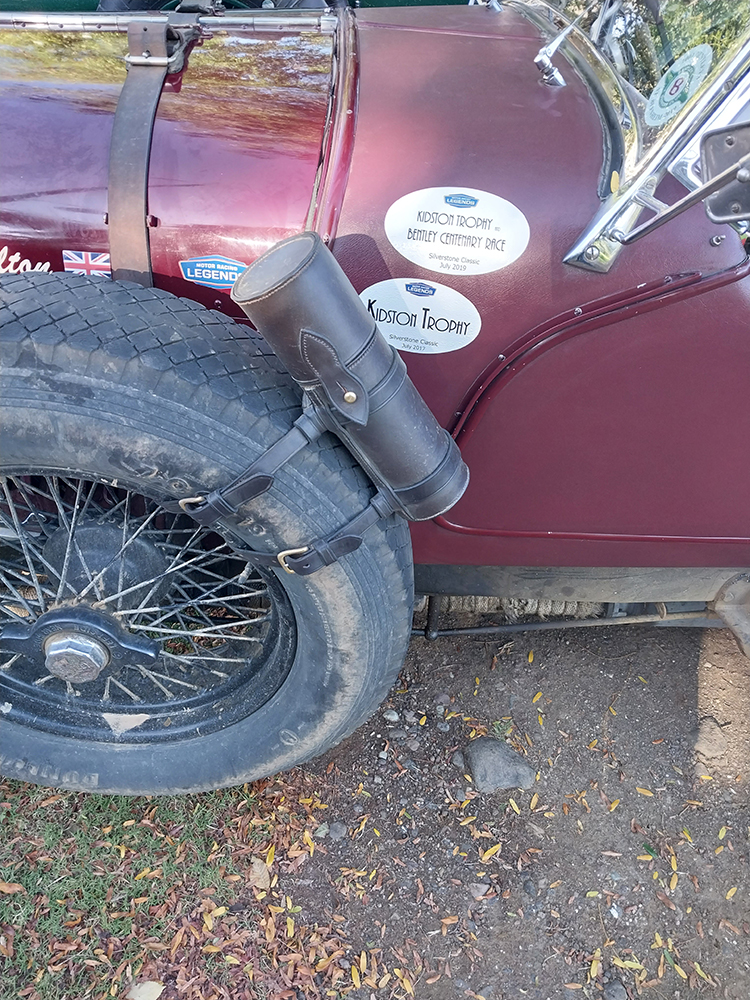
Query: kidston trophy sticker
pixel 679 83
pixel 457 230
pixel 422 316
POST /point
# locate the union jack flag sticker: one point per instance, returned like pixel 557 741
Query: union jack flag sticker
pixel 84 262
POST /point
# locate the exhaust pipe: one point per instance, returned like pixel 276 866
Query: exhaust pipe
pixel 305 307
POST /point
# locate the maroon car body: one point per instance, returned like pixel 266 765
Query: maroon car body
pixel 596 383
pixel 615 442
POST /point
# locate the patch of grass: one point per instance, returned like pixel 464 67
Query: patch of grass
pixel 102 878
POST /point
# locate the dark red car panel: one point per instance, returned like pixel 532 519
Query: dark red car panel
pixel 235 151
pixel 601 450
pixel 605 422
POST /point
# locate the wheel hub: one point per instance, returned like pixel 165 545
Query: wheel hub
pixel 75 657
pixel 77 643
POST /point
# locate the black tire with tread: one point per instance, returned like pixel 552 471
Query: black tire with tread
pixel 114 381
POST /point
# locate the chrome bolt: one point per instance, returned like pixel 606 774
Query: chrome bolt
pixel 350 397
pixel 75 657
pixel 591 253
pixel 716 241
pixel 735 208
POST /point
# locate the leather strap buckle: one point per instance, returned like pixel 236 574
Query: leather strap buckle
pixel 282 557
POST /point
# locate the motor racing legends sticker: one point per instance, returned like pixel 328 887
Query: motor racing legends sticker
pixel 679 83
pixel 213 271
pixel 457 230
pixel 422 316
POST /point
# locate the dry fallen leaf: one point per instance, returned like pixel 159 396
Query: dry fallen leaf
pixel 10 887
pixel 260 877
pixel 666 900
pixel 145 991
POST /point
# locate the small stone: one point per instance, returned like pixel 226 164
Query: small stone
pixel 615 911
pixel 711 745
pixel 378 780
pixel 390 715
pixel 443 727
pixel 383 755
pixel 322 831
pixel 337 831
pixel 615 991
pixel 413 743
pixel 397 734
pixel 494 765
pixel 440 710
pixel 529 888
pixel 410 716
pixel 443 699
pixel 458 760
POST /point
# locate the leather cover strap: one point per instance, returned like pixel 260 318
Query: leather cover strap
pixel 256 479
pixel 130 152
pixel 323 551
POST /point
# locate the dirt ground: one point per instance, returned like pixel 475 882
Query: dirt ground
pixel 624 870
pixel 379 872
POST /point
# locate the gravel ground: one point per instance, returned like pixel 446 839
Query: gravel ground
pixel 624 869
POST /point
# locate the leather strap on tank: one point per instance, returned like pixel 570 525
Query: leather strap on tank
pixel 156 46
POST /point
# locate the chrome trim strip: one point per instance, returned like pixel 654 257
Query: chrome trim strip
pixel 618 114
pixel 257 20
pixel 595 250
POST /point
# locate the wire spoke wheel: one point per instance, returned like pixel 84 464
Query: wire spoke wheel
pixel 138 653
pixel 112 559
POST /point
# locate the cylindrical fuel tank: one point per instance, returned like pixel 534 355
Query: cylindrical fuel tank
pixel 235 152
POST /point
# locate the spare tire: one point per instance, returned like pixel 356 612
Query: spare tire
pixel 139 653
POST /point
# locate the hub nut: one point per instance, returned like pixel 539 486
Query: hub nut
pixel 75 657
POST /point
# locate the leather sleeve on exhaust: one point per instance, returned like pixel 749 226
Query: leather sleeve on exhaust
pixel 303 304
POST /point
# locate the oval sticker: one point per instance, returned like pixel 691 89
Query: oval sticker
pixel 422 316
pixel 678 85
pixel 457 230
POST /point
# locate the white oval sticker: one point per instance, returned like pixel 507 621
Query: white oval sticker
pixel 422 316
pixel 678 84
pixel 457 230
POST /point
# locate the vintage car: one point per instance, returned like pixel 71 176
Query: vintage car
pixel 225 237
